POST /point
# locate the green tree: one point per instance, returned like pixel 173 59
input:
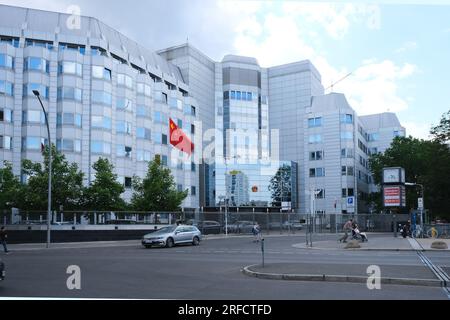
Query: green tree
pixel 157 191
pixel 67 183
pixel 425 162
pixel 280 186
pixel 104 194
pixel 441 132
pixel 11 189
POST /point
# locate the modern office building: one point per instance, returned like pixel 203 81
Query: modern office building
pixel 267 136
pixel 106 96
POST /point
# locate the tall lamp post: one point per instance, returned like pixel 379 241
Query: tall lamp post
pixel 422 209
pixel 49 210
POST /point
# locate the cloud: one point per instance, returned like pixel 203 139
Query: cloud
pixel 407 46
pixel 372 88
pixel 417 130
pixel 333 17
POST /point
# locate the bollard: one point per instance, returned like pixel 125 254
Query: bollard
pixel 262 250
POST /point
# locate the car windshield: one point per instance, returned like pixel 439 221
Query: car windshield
pixel 165 230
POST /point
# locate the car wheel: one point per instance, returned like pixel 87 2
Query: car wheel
pixel 196 241
pixel 169 243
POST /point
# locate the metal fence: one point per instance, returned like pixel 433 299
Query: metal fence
pixel 214 222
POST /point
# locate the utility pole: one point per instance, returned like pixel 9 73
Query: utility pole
pixel 49 210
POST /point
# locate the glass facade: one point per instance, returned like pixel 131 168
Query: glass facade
pixel 256 185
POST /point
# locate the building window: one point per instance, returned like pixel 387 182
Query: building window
pixel 101 122
pixel 373 137
pixel 101 97
pixel 164 160
pixel 5 142
pixel 347 153
pixel 99 72
pixel 6 88
pixel 142 111
pixel 316 155
pixel 67 93
pixel 347 135
pixel 67 145
pixel 72 68
pixel 100 147
pixel 164 139
pixel 347 118
pixel 33 143
pixel 317 172
pixel 70 119
pixel 144 89
pixel 36 64
pixel 398 134
pixel 30 87
pixel 6 115
pixel 193 167
pixel 72 47
pixel 180 188
pixel 193 191
pixel 6 61
pixel 143 133
pixel 143 155
pixel 314 122
pixel 124 80
pixel 123 127
pixel 348 171
pixel 320 193
pixel 372 151
pixel 160 117
pixel 123 151
pixel 180 123
pixel 192 129
pixel 124 104
pixel 11 41
pixel 128 182
pixel 157 138
pixel 316 138
pixel 33 116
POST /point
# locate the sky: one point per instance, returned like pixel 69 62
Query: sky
pixel 397 52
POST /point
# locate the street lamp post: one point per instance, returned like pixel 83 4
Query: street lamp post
pixel 422 209
pixel 49 210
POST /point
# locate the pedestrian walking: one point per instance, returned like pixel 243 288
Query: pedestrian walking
pixel 347 227
pixel 256 230
pixel 3 237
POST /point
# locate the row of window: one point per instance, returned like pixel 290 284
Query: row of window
pixel 348 171
pixel 238 95
pixel 317 138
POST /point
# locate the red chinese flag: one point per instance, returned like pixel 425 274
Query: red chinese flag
pixel 179 139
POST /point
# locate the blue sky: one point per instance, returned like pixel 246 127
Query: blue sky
pixel 399 53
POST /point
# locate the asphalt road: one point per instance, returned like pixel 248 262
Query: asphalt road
pixel 211 271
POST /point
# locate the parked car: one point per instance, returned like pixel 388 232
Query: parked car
pixel 241 227
pixel 120 221
pixel 2 271
pixel 297 225
pixel 173 235
pixel 208 227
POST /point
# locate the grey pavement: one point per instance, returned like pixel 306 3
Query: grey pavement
pixel 211 271
pixel 377 242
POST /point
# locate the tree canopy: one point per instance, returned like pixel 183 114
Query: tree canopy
pixel 67 183
pixel 11 189
pixel 426 163
pixel 104 193
pixel 441 132
pixel 157 191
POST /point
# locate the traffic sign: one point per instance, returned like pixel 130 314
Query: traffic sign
pixel 420 206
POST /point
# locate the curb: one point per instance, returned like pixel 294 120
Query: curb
pixel 304 247
pixel 340 278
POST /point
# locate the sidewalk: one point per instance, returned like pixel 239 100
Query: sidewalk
pixel 377 243
pixel 355 273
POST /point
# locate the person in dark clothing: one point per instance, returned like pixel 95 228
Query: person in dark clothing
pixel 3 237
